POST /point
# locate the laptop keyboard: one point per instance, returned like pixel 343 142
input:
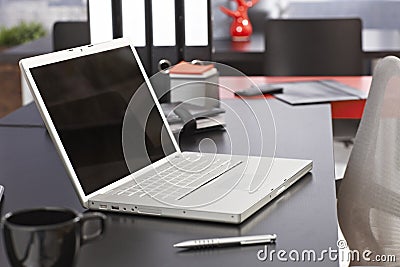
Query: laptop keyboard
pixel 177 178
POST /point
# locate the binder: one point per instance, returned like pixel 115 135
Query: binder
pixel 164 49
pixel 136 25
pixel 100 20
pixel 197 30
pixel 116 12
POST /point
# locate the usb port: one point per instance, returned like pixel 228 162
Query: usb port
pixel 103 207
pixel 114 207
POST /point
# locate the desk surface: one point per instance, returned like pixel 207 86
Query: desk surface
pixel 304 217
pixel 351 109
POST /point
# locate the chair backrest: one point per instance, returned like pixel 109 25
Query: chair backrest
pixel 304 47
pixel 69 34
pixel 369 196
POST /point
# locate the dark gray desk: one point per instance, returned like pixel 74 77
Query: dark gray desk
pixel 304 217
pixel 25 117
pixel 40 46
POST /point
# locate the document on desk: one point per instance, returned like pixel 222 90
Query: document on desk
pixel 318 91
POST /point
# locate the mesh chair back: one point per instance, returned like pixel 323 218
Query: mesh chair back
pixel 369 196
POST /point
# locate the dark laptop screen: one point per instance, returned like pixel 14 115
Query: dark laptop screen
pixel 86 98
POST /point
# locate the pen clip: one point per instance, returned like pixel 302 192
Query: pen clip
pixel 270 239
pixel 249 242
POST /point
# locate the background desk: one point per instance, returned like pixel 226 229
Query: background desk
pixel 352 109
pixel 304 217
pixel 249 56
pixel 346 115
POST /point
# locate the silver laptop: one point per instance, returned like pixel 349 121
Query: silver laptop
pixel 124 158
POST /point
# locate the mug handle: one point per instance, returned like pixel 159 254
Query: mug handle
pixel 92 217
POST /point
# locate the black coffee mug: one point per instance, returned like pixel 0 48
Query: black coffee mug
pixel 45 237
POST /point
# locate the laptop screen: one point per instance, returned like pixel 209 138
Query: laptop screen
pixel 87 98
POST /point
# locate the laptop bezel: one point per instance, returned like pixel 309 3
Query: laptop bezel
pixel 42 60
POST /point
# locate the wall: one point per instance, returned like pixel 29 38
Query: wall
pixel 44 11
pixel 376 14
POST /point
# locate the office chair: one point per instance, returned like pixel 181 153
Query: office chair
pixel 69 34
pixel 313 47
pixel 317 47
pixel 369 196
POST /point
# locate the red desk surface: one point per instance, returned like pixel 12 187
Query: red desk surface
pixel 351 109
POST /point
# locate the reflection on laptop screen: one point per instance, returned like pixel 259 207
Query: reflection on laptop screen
pixel 86 98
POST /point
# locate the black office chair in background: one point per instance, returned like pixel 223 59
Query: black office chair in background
pixel 69 34
pixel 313 47
pixel 318 47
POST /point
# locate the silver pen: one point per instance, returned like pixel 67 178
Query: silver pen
pixel 227 241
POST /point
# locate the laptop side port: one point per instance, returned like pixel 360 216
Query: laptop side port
pixel 103 207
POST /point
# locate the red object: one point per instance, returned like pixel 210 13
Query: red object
pixel 241 28
pixel 349 109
